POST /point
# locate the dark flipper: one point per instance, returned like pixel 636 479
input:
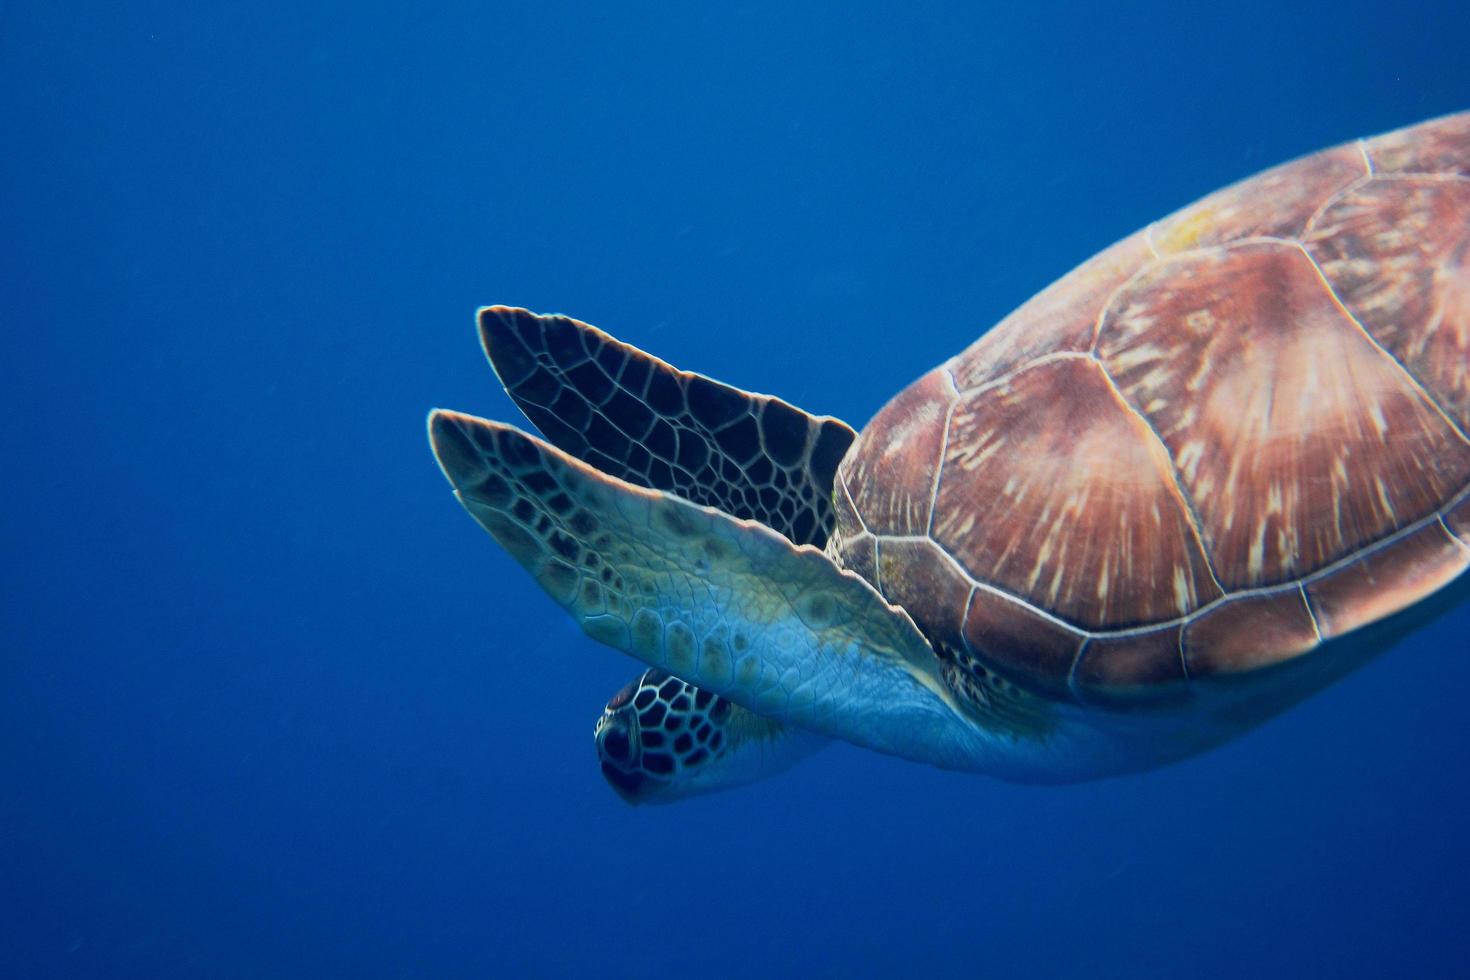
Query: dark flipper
pixel 639 419
pixel 643 421
pixel 728 605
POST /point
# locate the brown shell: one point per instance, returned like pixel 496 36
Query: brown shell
pixel 1224 440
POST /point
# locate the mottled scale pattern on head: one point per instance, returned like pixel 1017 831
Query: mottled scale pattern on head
pixel 1228 438
pixel 659 729
pixel 639 419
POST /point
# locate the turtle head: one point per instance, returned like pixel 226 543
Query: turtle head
pixel 656 735
pixel 661 739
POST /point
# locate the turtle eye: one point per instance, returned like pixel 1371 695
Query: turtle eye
pixel 615 744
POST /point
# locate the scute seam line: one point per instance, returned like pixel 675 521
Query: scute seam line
pixel 1102 313
pixel 1311 613
pixel 1418 385
pixel 1264 590
pixel 842 480
pixel 1332 199
pixel 943 451
pixel 1452 535
pixel 1001 379
pixel 1148 239
pixel 1078 694
pixel 1191 514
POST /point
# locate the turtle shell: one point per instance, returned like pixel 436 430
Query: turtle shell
pixel 1228 438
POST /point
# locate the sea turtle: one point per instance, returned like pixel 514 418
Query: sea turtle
pixel 1199 478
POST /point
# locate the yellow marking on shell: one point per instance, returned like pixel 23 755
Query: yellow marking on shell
pixel 1189 458
pixel 1200 321
pixel 1043 555
pixel 995 445
pixel 1195 380
pixel 1056 582
pixel 1383 499
pixel 1187 231
pixel 1257 554
pixel 1375 412
pixel 1137 356
pixel 1181 590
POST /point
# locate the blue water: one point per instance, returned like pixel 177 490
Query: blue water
pixel 272 706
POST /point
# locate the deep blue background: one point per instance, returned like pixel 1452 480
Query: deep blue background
pixel 271 705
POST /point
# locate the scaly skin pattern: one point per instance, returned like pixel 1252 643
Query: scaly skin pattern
pixel 1216 446
pixel 635 417
pixel 641 420
pixel 728 605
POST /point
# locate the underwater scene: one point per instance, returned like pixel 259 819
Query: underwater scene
pixel 941 522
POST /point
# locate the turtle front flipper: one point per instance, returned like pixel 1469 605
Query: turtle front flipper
pixel 726 604
pixel 637 418
pixel 640 419
pixel 662 739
